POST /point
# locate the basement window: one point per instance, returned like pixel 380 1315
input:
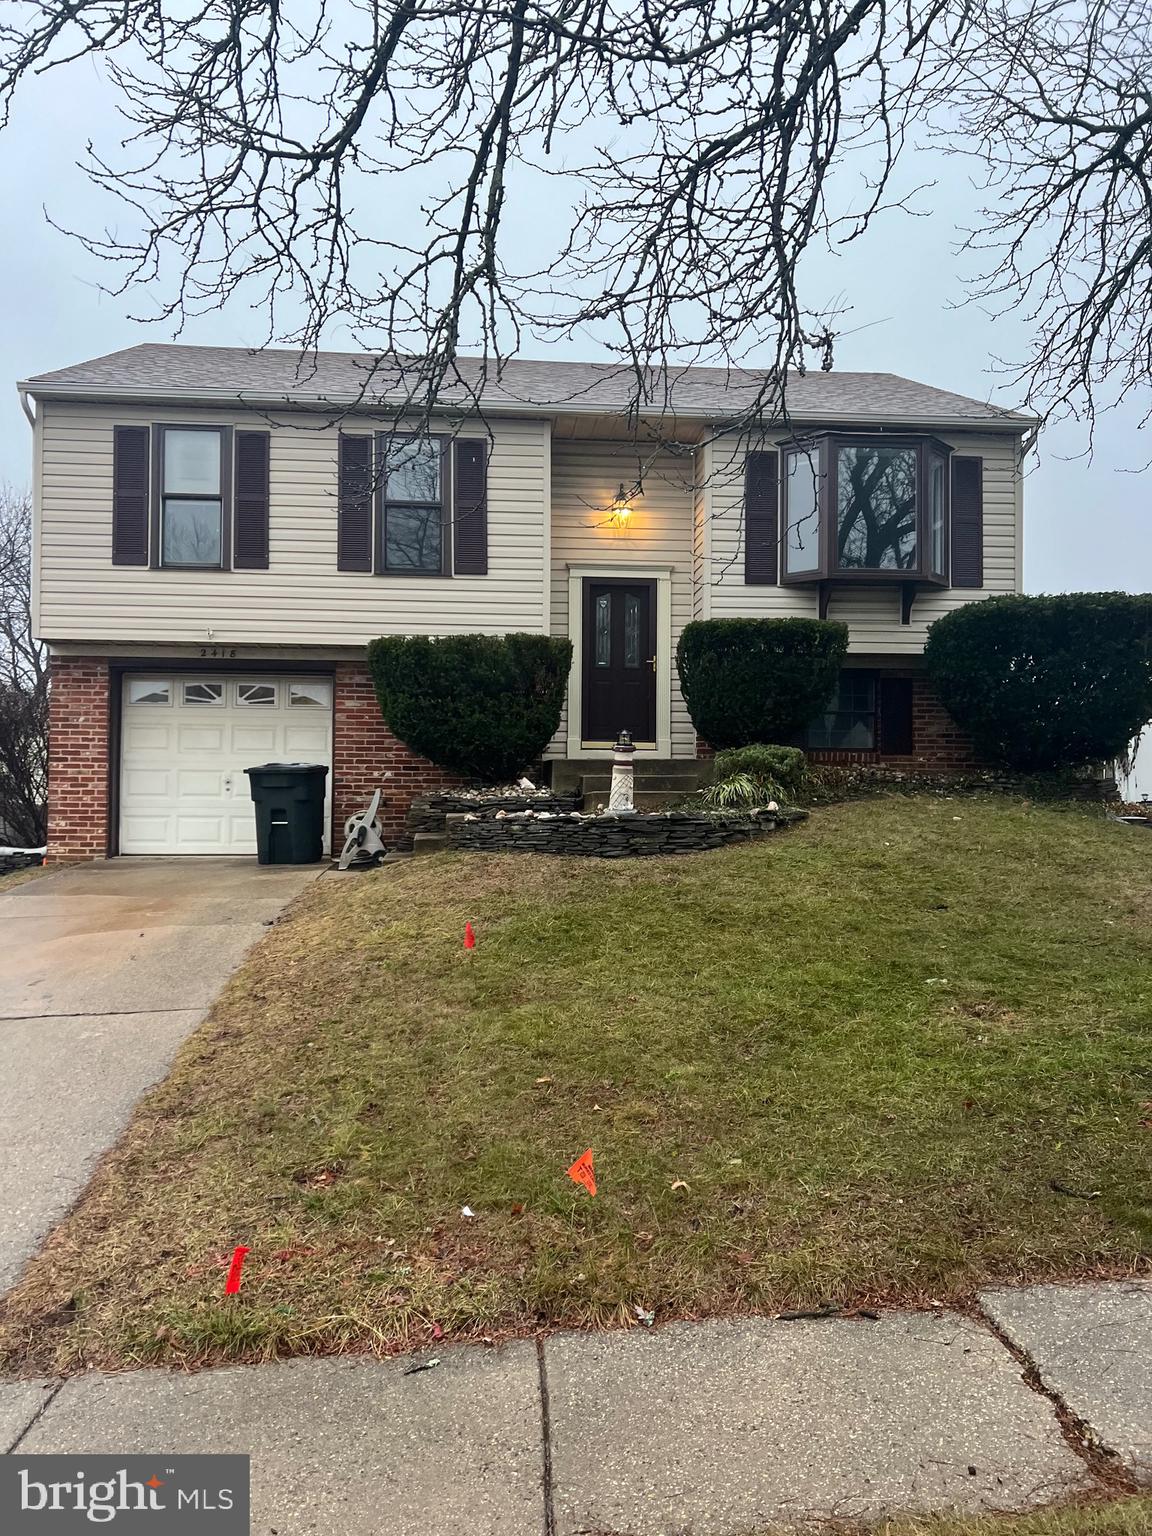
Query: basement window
pixel 849 721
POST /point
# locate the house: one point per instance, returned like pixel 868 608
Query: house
pixel 217 539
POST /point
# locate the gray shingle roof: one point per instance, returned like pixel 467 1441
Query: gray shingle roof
pixel 341 378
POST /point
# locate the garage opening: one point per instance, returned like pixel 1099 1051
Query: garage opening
pixel 186 739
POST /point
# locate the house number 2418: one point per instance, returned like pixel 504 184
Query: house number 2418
pixel 217 651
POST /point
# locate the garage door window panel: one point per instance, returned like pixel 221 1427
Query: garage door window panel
pixel 193 494
pixel 310 695
pixel 256 695
pixel 149 691
pixel 204 693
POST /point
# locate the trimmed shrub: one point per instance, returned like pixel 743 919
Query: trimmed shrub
pixel 481 705
pixel 758 680
pixel 784 768
pixel 1046 682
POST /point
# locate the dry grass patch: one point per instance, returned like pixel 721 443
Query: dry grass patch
pixel 848 1064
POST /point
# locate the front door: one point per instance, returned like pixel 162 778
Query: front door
pixel 619 660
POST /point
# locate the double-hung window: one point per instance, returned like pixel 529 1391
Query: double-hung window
pixel 849 721
pixel 192 468
pixel 413 531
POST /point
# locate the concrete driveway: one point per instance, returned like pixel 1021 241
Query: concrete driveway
pixel 104 970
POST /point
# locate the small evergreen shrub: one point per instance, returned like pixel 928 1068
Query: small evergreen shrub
pixel 784 768
pixel 481 705
pixel 758 680
pixel 1046 682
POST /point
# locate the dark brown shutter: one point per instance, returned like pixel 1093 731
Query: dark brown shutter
pixel 895 738
pixel 354 517
pixel 130 495
pixel 967 522
pixel 250 547
pixel 761 519
pixel 470 506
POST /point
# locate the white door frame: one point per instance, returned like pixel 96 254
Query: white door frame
pixel 661 575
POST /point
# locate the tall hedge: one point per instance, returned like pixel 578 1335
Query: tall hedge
pixel 1046 682
pixel 481 705
pixel 758 680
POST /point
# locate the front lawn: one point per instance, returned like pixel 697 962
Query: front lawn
pixel 892 1055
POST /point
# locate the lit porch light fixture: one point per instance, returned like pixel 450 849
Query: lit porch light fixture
pixel 621 508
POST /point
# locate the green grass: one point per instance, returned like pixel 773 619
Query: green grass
pixel 845 1064
pixel 1121 1517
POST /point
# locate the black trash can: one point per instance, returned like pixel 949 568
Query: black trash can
pixel 289 799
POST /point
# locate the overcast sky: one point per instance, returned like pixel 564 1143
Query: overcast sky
pixel 1086 522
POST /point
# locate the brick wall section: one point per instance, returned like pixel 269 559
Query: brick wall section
pixel 363 751
pixel 940 745
pixel 78 754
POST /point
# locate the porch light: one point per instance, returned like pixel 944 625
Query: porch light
pixel 621 508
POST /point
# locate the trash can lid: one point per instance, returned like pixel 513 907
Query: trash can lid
pixel 288 768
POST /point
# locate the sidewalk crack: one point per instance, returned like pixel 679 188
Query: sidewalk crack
pixel 35 1419
pixel 1079 1436
pixel 546 1436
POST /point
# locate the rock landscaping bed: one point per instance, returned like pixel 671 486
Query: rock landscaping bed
pixel 610 837
pixel 14 859
pixel 427 813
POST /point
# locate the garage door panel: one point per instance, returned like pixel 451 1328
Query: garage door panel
pixel 148 784
pixel 261 739
pixel 182 782
pixel 147 738
pixel 200 738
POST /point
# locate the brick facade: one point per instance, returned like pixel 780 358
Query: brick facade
pixel 364 750
pixel 939 745
pixel 79 752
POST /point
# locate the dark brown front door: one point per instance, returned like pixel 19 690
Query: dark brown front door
pixel 619 659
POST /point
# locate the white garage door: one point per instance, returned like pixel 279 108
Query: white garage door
pixel 186 743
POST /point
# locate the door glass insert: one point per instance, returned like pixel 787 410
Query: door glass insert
pixel 603 629
pixel 149 691
pixel 316 695
pixel 256 693
pixel 203 693
pixel 631 630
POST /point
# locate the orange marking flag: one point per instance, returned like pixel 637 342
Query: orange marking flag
pixel 581 1171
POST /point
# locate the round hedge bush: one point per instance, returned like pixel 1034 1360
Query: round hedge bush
pixel 758 680
pixel 1046 682
pixel 484 706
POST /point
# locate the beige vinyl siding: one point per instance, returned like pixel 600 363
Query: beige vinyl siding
pixel 585 478
pixel 872 613
pixel 701 532
pixel 302 599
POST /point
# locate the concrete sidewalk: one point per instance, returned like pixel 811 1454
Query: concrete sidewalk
pixel 713 1429
pixel 104 970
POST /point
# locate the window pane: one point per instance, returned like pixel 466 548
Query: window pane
pixel 203 693
pixel 631 630
pixel 802 483
pixel 310 695
pixel 936 515
pixel 876 508
pixel 413 469
pixel 256 693
pixel 603 629
pixel 191 463
pixel 849 722
pixel 191 533
pixel 412 538
pixel 147 691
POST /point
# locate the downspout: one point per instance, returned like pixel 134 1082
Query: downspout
pixel 27 409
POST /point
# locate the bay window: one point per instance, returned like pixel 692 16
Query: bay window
pixel 865 509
